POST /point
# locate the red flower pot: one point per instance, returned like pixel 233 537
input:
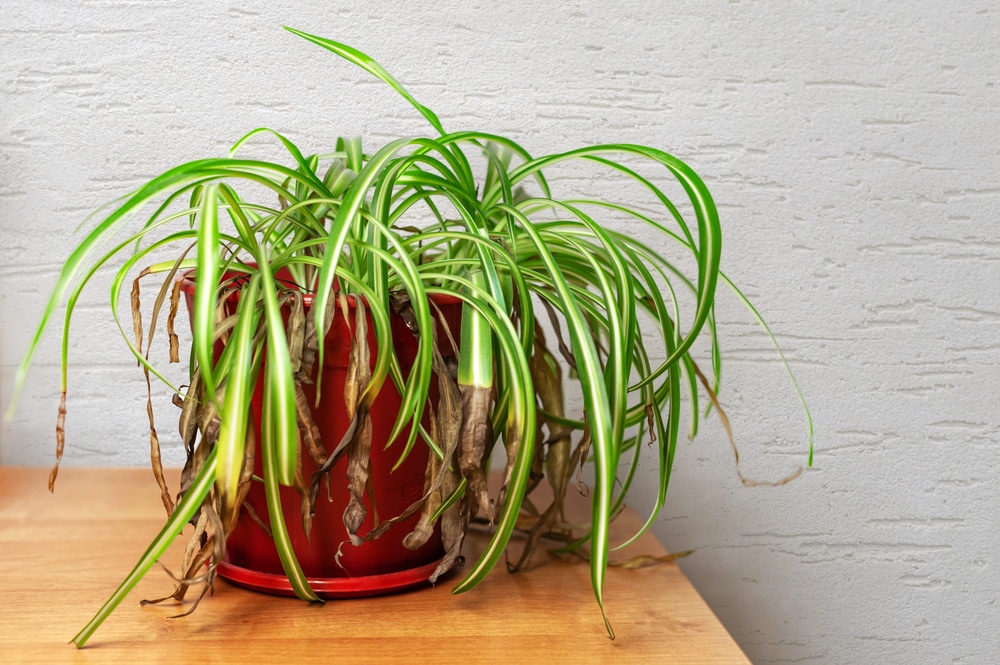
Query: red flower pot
pixel 378 566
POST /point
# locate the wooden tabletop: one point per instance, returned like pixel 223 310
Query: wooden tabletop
pixel 63 554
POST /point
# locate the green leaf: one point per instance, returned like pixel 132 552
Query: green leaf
pixel 280 429
pixel 206 286
pixel 279 531
pixel 193 498
pixel 238 390
pixel 369 65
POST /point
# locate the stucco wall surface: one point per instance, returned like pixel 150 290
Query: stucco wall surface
pixel 852 148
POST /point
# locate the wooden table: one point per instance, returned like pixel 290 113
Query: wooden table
pixel 62 555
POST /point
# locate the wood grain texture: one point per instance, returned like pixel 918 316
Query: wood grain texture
pixel 61 556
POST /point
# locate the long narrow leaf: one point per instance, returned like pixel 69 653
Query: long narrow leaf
pixel 200 487
pixel 239 388
pixel 368 64
pixel 279 531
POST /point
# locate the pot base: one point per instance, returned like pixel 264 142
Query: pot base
pixel 330 587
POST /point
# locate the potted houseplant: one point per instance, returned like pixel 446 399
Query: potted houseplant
pixel 460 291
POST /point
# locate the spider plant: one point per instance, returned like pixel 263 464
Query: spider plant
pixel 555 298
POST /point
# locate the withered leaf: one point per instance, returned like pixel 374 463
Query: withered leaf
pixel 445 424
pixel 358 477
pixel 557 461
pixel 305 495
pixel 187 424
pixel 296 330
pixel 400 302
pixel 155 461
pixel 359 449
pixel 442 325
pixel 431 501
pixel 547 379
pixel 194 544
pixel 564 349
pixel 310 343
pixel 175 299
pixel 473 435
pixel 332 459
pixel 137 313
pixel 646 560
pixel 359 361
pixel 255 518
pixel 60 440
pixel 581 453
pixel 243 488
pixel 454 524
pixel 724 419
pixel 161 297
pixel 309 431
pixel 207 545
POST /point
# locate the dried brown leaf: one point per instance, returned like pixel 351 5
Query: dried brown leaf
pixel 473 435
pixel 155 461
pixel 161 297
pixel 255 518
pixel 442 322
pixel 307 509
pixel 243 488
pixel 454 520
pixel 206 546
pixel 194 544
pixel 454 524
pixel 448 416
pixel 208 425
pixel 332 459
pixel 359 362
pixel 359 449
pixel 296 330
pixel 60 440
pixel 400 302
pixel 646 560
pixel 564 350
pixel 310 343
pixel 547 379
pixel 175 299
pixel 308 430
pixel 430 503
pixel 136 313
pixel 724 419
pixel 581 453
pixel 358 477
pixel 446 423
pixel 187 424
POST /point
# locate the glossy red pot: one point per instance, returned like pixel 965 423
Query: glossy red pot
pixel 378 566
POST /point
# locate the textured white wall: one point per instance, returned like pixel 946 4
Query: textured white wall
pixel 852 147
